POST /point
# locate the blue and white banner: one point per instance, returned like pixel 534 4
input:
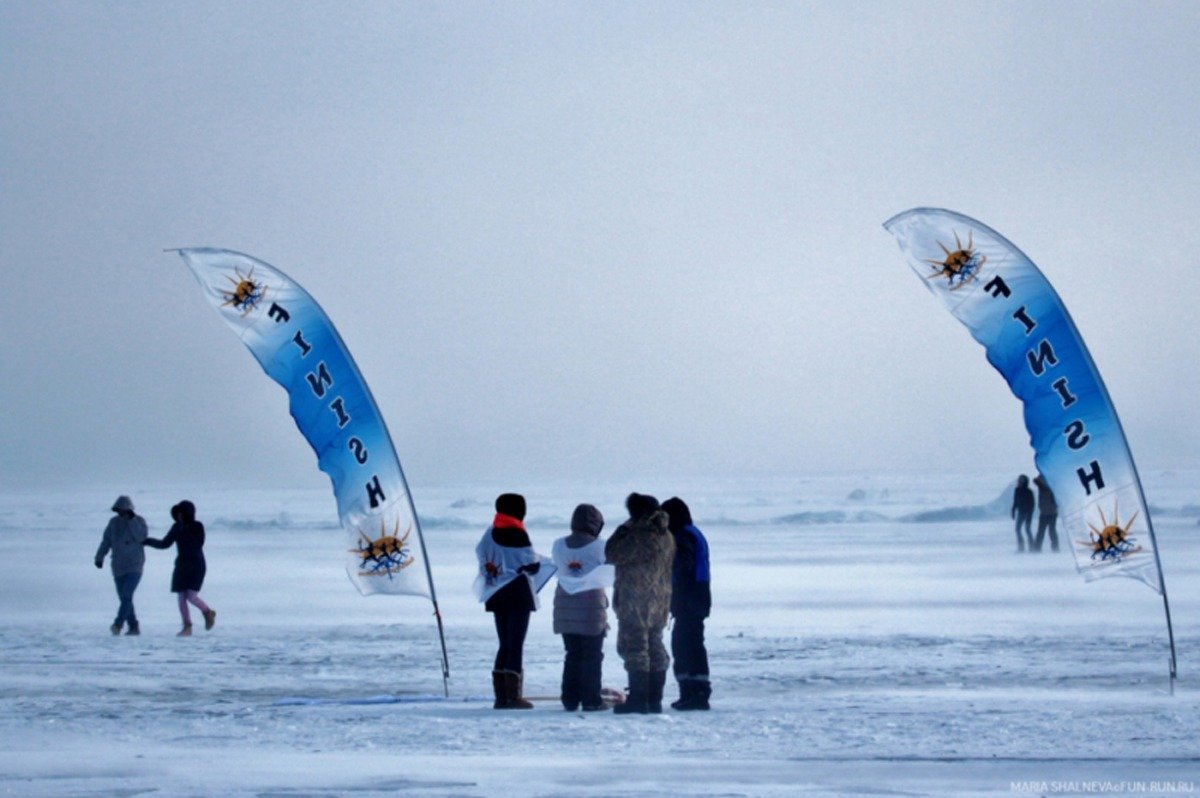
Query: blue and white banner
pixel 1008 305
pixel 296 344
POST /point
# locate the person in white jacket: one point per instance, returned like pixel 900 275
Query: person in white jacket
pixel 581 608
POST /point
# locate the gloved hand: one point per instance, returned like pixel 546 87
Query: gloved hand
pixel 531 568
pixel 100 564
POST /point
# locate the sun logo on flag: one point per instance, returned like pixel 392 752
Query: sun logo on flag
pixel 246 294
pixel 575 567
pixel 1112 542
pixel 960 266
pixel 386 554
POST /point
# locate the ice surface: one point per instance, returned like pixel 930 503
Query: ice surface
pixel 853 653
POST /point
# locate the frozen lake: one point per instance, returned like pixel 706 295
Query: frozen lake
pixel 853 653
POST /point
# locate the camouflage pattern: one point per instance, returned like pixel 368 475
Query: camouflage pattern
pixel 642 551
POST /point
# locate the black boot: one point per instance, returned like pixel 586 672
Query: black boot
pixel 693 695
pixel 686 689
pixel 639 689
pixel 658 680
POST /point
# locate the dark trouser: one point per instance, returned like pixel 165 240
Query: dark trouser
pixel 126 584
pixel 511 628
pixel 1024 519
pixel 687 648
pixel 1046 524
pixel 581 670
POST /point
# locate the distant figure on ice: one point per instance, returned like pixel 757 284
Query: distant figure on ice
pixel 123 536
pixel 1022 510
pixel 1047 514
pixel 691 601
pixel 643 551
pixel 507 563
pixel 580 608
pixel 187 535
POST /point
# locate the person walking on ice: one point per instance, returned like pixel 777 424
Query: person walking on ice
pixel 1047 514
pixel 1022 511
pixel 124 536
pixel 187 535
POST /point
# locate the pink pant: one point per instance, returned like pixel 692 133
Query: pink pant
pixel 186 596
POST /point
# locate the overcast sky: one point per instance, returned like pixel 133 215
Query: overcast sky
pixel 584 240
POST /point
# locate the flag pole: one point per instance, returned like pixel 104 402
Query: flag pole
pixel 1137 481
pixel 1163 585
pixel 436 612
pixel 429 571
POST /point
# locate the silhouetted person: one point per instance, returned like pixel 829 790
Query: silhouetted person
pixel 187 536
pixel 1022 510
pixel 1047 515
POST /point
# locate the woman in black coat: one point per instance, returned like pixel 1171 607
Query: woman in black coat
pixel 506 558
pixel 187 535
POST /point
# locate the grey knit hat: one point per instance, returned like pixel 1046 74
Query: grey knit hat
pixel 587 520
pixel 123 503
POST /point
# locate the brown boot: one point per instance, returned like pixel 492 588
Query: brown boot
pixel 210 618
pixel 499 689
pixel 186 631
pixel 513 685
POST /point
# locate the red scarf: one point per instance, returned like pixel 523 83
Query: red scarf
pixel 503 521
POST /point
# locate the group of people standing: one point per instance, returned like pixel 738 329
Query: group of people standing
pixel 658 565
pixel 1022 511
pixel 126 536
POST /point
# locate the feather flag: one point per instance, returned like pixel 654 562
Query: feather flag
pixel 296 344
pixel 1012 310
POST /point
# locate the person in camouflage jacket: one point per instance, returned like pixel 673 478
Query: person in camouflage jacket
pixel 642 549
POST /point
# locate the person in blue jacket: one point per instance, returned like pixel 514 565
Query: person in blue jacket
pixel 691 602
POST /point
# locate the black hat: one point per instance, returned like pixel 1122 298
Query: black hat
pixel 639 505
pixel 680 515
pixel 511 504
pixel 186 510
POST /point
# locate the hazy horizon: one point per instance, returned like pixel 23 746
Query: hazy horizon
pixel 597 242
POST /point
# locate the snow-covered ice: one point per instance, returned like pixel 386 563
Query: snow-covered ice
pixel 853 653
